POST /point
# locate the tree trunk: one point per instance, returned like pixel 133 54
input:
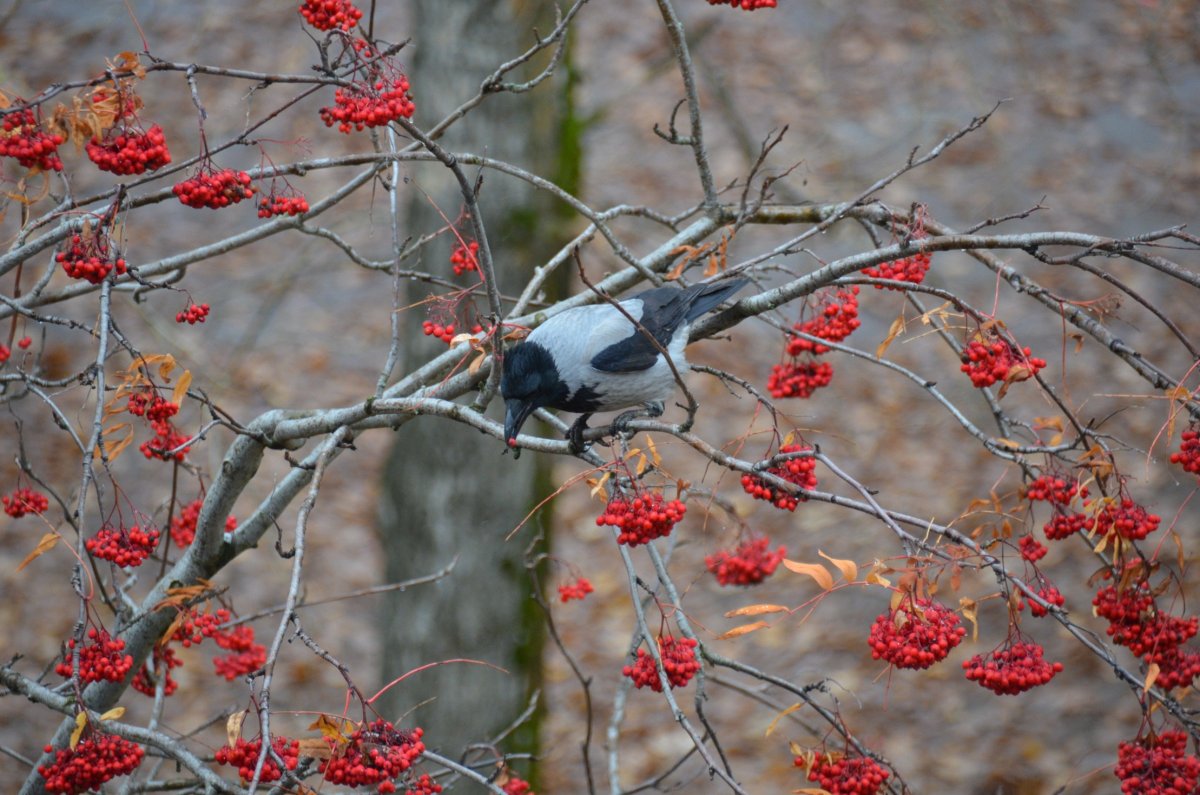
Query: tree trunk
pixel 449 493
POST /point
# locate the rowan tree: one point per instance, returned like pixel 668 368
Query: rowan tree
pixel 145 497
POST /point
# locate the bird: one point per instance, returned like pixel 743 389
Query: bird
pixel 592 358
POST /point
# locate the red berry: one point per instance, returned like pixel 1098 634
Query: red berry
pixel 24 500
pixel 244 756
pixel 23 138
pixel 915 634
pixel 126 150
pixel 1013 669
pixel 90 763
pixel 749 564
pixel 373 756
pixel 464 258
pixel 800 471
pixel 985 363
pixel 329 14
pixel 124 547
pixel 578 589
pixel 799 379
pixel 844 775
pixel 214 189
pixel 101 658
pixel 1157 765
pixel 643 518
pixel 90 256
pixel 678 659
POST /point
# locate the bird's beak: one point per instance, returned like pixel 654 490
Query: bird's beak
pixel 516 412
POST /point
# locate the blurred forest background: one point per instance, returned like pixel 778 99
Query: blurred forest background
pixel 1100 124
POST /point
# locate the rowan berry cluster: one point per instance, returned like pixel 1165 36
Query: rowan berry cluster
pixel 799 379
pixel 280 204
pixel 24 500
pixel 330 14
pixel 244 657
pixel 244 756
pixel 915 634
pixel 154 407
pixel 985 363
pixel 168 444
pixel 183 526
pixel 5 352
pixel 124 547
pixel 1050 594
pixel 22 137
pixel 89 764
pixel 1157 765
pixel 908 269
pixel 128 150
pixel 374 105
pixel 465 258
pixel 516 786
pixel 1054 489
pixel 1013 669
pixel 162 661
pixel 842 775
pixel 1032 549
pixel 101 658
pixel 215 189
pixel 1188 456
pixel 1127 519
pixel 194 627
pixel 576 589
pixel 642 519
pixel 193 314
pixel 800 471
pixel 751 562
pixel 445 332
pixel 1134 621
pixel 373 756
pixel 1063 525
pixel 678 661
pixel 90 258
pixel 744 5
pixel 422 785
pixel 836 319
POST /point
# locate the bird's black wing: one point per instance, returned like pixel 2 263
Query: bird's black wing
pixel 664 310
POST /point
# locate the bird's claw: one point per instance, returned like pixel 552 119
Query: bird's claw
pixel 575 442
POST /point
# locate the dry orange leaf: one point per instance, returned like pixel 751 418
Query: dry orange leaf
pixel 233 726
pixel 1152 672
pixel 897 328
pixel 970 611
pixel 744 629
pixel 814 570
pixel 181 387
pixel 775 721
pixel 757 610
pixel 113 713
pixel 45 545
pixel 848 568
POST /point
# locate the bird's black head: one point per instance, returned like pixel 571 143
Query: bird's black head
pixel 529 381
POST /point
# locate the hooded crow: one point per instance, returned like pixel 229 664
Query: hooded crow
pixel 592 358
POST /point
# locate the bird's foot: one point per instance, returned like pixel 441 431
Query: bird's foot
pixel 575 441
pixel 620 425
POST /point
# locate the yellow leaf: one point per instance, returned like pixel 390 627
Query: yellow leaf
pixel 875 578
pixel 181 388
pixel 1152 672
pixel 653 451
pixel 970 611
pixel 113 714
pixel 775 721
pixel 642 463
pixel 814 570
pixel 80 722
pixel 757 610
pixel 45 545
pixel 812 791
pixel 895 331
pixel 1006 442
pixel 333 728
pixel 476 363
pixel 744 629
pixel 112 449
pixel 848 568
pixel 599 487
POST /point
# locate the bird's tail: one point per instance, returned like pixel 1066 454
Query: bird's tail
pixel 708 296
